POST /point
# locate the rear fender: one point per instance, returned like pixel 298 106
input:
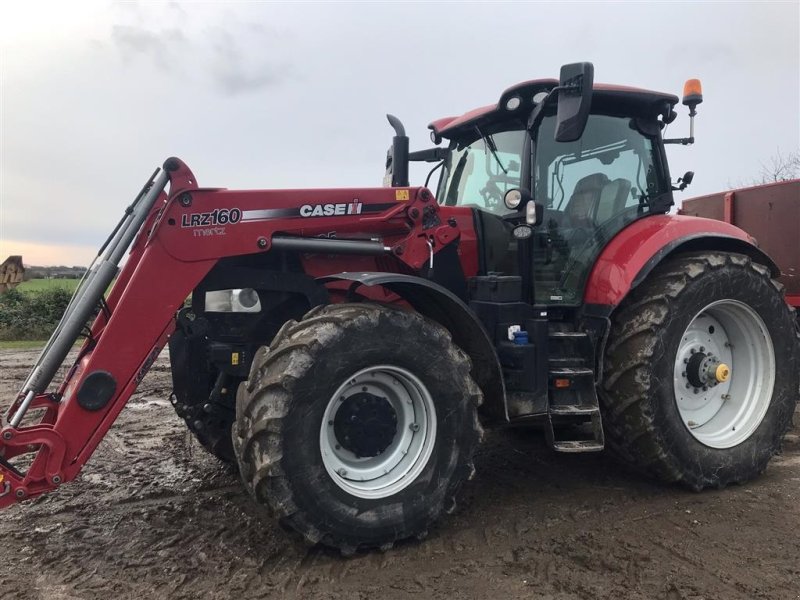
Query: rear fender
pixel 442 306
pixel 636 250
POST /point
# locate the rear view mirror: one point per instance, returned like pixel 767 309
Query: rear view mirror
pixel 574 100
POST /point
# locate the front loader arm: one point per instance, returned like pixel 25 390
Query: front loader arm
pixel 175 240
pixel 125 339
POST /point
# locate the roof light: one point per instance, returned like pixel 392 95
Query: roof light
pixel 513 103
pixel 539 97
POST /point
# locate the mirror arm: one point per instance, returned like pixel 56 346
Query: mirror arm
pixel 429 155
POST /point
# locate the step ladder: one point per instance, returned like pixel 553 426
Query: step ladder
pixel 574 423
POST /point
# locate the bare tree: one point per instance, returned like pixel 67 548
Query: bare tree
pixel 779 167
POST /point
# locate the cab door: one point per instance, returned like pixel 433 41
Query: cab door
pixel 591 188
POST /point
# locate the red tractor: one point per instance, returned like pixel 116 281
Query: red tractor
pixel 345 347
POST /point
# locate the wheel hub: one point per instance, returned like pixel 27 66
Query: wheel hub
pixel 365 424
pixel 705 370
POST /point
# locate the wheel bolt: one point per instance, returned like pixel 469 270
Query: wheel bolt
pixel 683 374
pixel 688 385
pixel 330 423
pixel 342 472
pixel 414 427
pixel 692 351
pixel 696 391
pixel 702 349
pixel 686 361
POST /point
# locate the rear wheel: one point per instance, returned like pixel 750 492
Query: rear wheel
pixel 358 425
pixel 701 372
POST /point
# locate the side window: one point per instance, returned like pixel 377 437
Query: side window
pixel 600 189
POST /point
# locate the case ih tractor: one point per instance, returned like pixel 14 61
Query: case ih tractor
pixel 344 347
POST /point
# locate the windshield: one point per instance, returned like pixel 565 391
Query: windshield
pixel 480 173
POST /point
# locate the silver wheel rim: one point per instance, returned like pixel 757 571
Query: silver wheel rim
pixel 399 464
pixel 724 413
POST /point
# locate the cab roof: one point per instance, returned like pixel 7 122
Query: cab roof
pixel 606 97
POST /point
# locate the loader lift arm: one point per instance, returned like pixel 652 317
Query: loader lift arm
pixel 175 239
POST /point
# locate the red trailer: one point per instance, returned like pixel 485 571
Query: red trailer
pixel 771 214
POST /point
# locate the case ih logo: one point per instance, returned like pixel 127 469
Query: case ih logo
pixel 222 216
pixel 331 210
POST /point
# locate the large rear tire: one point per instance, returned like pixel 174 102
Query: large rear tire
pixel 701 371
pixel 358 425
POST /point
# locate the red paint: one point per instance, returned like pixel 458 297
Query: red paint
pixel 623 258
pixel 793 299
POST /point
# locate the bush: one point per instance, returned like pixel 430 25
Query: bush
pixel 31 316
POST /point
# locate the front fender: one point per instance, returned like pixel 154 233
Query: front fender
pixel 442 306
pixel 636 250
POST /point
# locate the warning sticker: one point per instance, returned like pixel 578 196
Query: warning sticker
pixel 401 195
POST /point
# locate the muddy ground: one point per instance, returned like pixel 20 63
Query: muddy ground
pixel 154 516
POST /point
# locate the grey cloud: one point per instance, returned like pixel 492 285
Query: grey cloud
pixel 164 48
pixel 230 56
pixel 237 72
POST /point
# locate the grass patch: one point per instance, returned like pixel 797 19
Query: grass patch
pixel 40 285
pixel 21 344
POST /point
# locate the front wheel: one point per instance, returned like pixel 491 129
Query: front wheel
pixel 358 425
pixel 701 371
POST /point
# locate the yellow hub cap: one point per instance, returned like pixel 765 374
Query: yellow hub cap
pixel 723 373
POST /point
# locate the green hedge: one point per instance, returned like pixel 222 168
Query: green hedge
pixel 31 316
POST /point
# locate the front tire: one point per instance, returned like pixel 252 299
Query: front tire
pixel 358 425
pixel 701 371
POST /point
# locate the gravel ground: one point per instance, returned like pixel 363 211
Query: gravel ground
pixel 154 516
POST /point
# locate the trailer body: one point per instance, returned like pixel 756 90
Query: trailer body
pixel 771 214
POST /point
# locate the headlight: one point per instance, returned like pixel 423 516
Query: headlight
pixel 243 300
pixel 513 199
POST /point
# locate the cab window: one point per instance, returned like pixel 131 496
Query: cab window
pixel 590 188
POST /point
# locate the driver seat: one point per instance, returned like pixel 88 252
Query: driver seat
pixel 582 205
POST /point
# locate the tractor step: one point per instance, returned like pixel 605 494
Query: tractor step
pixel 570 410
pixel 574 423
pixel 569 349
pixel 578 446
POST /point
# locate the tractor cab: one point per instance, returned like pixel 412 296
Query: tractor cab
pixel 588 180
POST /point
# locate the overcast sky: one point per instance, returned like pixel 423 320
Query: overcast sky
pixel 269 95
